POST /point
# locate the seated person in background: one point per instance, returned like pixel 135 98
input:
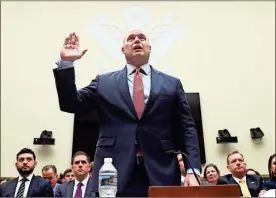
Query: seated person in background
pixel 27 184
pixel 251 171
pixel 50 172
pixel 91 169
pixel 211 173
pixel 182 168
pixel 271 183
pixel 68 175
pixel 250 185
pixel 81 186
pixel 60 178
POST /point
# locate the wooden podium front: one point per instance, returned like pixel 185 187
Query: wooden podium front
pixel 195 191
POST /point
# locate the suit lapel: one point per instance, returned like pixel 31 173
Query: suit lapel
pixel 251 184
pixel 88 188
pixel 124 91
pixel 233 181
pixel 13 187
pixel 70 189
pixel 156 84
pixel 31 187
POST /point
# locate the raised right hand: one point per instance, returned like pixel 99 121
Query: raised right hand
pixel 70 50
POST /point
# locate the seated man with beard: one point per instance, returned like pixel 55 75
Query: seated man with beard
pixel 27 184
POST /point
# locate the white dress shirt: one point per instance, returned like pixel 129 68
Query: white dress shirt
pixel 238 180
pixel 83 187
pixel 146 78
pixel 27 184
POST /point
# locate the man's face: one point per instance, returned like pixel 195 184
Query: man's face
pixel 69 177
pixel 136 47
pixel 51 176
pixel 25 164
pixel 80 166
pixel 236 164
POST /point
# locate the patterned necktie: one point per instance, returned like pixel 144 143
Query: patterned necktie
pixel 244 189
pixel 138 93
pixel 79 190
pixel 21 189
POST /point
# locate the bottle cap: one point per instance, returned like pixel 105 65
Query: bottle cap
pixel 107 160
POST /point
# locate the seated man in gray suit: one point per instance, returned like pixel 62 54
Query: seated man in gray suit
pixel 82 185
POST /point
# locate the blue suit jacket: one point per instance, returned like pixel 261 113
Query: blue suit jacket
pixel 166 124
pixel 270 184
pixel 254 183
pixel 39 187
pixel 66 189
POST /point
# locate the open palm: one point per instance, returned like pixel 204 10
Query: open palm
pixel 70 50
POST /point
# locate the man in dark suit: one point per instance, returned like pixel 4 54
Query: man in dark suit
pixel 81 186
pixel 142 114
pixel 250 185
pixel 27 184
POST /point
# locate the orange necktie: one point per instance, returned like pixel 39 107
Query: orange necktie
pixel 138 93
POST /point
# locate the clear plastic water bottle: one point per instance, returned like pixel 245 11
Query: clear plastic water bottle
pixel 107 179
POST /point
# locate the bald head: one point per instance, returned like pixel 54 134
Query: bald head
pixel 135 32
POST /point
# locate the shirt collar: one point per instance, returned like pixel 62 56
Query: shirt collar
pixel 84 182
pixel 29 177
pixel 238 180
pixel 145 67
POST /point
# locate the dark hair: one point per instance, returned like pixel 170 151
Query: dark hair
pixel 256 172
pixel 80 153
pixel 69 170
pixel 48 167
pixel 210 165
pixel 26 150
pixel 271 175
pixel 232 153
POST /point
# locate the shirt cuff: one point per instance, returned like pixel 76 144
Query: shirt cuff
pixel 65 64
pixel 190 171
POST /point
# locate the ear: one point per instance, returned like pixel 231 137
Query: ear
pixel 35 163
pixel 228 168
pixel 150 48
pixel 123 50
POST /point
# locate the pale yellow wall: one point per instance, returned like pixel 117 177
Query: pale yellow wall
pixel 226 53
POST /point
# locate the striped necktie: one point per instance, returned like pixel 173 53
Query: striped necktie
pixel 21 189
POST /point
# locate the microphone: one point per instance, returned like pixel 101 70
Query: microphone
pixel 175 153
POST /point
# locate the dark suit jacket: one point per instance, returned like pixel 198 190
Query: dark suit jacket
pixel 39 187
pixel 270 184
pixel 166 124
pixel 66 189
pixel 254 183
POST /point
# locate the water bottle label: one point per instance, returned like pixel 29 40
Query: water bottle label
pixel 107 180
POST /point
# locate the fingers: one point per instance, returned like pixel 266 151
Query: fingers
pixel 66 41
pixel 70 38
pixel 83 52
pixel 77 40
pixel 73 40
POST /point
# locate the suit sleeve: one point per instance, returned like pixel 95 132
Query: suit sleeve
pixel 70 99
pixel 222 181
pixel 188 130
pixel 48 190
pixel 57 191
